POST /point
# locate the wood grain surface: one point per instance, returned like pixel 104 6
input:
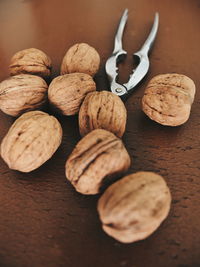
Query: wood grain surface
pixel 43 221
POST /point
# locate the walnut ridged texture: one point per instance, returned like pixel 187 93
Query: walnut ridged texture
pixel 133 208
pixel 168 99
pixel 98 156
pixel 31 61
pixel 102 110
pixel 67 92
pixel 22 93
pixel 81 57
pixel 31 141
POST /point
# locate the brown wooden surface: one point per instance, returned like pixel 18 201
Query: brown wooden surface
pixel 43 221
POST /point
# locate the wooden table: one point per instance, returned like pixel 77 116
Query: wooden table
pixel 43 221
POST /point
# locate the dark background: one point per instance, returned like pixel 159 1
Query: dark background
pixel 43 221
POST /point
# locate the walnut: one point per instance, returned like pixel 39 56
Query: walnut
pixel 31 61
pixel 134 207
pixel 31 140
pixel 97 158
pixel 67 92
pixel 168 99
pixel 81 58
pixel 21 93
pixel 102 110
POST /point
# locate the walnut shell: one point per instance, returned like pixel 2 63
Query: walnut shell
pixel 31 140
pixel 22 93
pixel 98 156
pixel 81 58
pixel 67 92
pixel 102 110
pixel 168 99
pixel 31 61
pixel 134 207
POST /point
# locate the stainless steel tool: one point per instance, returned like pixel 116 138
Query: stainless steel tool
pixel 118 51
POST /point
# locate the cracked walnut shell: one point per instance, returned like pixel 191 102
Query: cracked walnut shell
pixel 81 58
pixel 134 207
pixel 32 139
pixel 31 61
pixel 22 93
pixel 67 92
pixel 168 99
pixel 102 110
pixel 97 158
